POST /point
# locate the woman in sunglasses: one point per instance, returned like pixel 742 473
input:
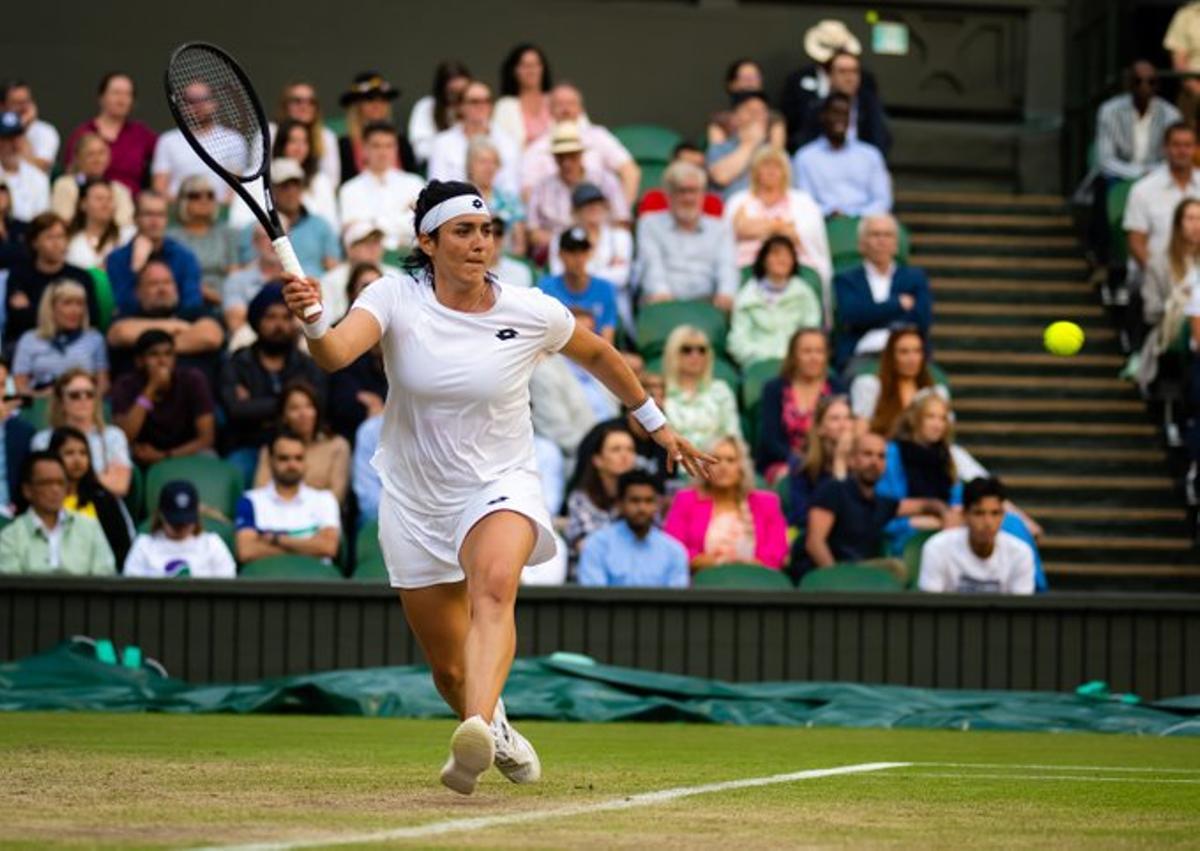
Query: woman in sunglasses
pixel 75 403
pixel 213 243
pixel 701 408
pixel 298 103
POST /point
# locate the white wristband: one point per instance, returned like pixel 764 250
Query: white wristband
pixel 316 329
pixel 651 418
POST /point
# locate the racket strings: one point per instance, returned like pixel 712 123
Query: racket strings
pixel 218 110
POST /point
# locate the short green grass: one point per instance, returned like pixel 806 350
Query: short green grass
pixel 91 780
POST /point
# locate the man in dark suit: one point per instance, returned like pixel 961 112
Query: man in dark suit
pixel 868 123
pixel 879 294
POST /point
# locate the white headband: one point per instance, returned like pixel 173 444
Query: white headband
pixel 459 205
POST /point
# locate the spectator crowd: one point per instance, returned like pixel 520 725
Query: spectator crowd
pixel 761 291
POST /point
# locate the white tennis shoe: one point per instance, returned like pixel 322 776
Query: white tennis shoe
pixel 515 757
pixel 471 753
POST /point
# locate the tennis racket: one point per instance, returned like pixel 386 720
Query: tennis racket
pixel 221 117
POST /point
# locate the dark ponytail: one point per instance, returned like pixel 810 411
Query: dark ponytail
pixel 434 193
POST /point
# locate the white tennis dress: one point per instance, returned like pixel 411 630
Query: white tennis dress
pixel 457 437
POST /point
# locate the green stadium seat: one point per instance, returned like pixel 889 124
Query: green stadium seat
pixel 371 570
pixel 754 378
pixel 812 277
pixel 366 544
pixel 218 482
pixel 849 577
pixel 648 142
pixel 1118 196
pixel 290 567
pixel 135 499
pixel 747 576
pixel 105 299
pixel 37 412
pixel 783 489
pixel 655 323
pixel 912 554
pixel 336 124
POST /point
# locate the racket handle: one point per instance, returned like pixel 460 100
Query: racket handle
pixel 291 265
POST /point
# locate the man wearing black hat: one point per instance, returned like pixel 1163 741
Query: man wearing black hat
pixel 27 184
pixel 164 408
pixel 197 335
pixel 253 377
pixel 575 287
pixel 177 545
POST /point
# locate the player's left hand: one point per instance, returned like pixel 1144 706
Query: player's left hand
pixel 681 452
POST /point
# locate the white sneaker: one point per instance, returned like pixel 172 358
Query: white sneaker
pixel 471 754
pixel 515 757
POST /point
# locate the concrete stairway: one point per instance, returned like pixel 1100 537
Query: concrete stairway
pixel 1072 441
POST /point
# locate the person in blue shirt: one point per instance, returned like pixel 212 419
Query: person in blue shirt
pixel 576 288
pixel 151 242
pixel 631 552
pixel 845 176
pixel 312 237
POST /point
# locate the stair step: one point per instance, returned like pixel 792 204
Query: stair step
pixel 1006 243
pixel 1056 429
pixel 967 357
pixel 1132 570
pixel 1102 542
pixel 1016 310
pixel 1001 406
pixel 1101 513
pixel 995 262
pixel 1052 382
pixel 1066 453
pixel 959 222
pixel 983 199
pixel 971 329
pixel 980 285
pixel 1107 483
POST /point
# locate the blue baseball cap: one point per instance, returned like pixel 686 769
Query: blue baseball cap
pixel 10 125
pixel 178 503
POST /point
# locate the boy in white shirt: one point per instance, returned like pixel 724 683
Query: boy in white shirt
pixel 978 557
pixel 177 546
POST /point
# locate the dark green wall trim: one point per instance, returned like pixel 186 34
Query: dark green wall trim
pixel 242 630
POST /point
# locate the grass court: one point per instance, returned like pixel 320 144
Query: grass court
pixel 157 781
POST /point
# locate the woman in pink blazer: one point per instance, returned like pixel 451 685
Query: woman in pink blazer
pixel 723 520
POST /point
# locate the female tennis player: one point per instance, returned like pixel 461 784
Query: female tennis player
pixel 461 511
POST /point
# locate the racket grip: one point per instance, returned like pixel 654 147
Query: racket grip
pixel 291 265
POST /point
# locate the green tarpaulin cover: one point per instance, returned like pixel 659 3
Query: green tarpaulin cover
pixel 566 687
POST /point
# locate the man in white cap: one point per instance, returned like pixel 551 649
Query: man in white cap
pixel 363 241
pixel 833 50
pixel 28 186
pixel 550 207
pixel 313 238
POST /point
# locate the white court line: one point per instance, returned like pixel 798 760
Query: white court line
pixel 644 799
pixel 1038 767
pixel 1072 777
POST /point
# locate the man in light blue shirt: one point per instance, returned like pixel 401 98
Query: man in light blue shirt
pixel 630 552
pixel 846 177
pixel 683 254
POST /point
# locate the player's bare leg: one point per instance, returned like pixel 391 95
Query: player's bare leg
pixel 439 617
pixel 493 554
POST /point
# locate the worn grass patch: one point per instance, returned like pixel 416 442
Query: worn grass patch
pixel 155 781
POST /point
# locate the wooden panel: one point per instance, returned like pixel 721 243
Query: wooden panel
pixel 225 631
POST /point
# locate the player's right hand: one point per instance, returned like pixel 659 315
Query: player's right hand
pixel 299 293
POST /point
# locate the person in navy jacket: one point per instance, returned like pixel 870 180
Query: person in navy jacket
pixel 877 295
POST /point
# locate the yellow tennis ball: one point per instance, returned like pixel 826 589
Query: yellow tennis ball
pixel 1063 338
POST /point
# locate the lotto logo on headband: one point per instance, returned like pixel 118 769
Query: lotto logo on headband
pixel 459 205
